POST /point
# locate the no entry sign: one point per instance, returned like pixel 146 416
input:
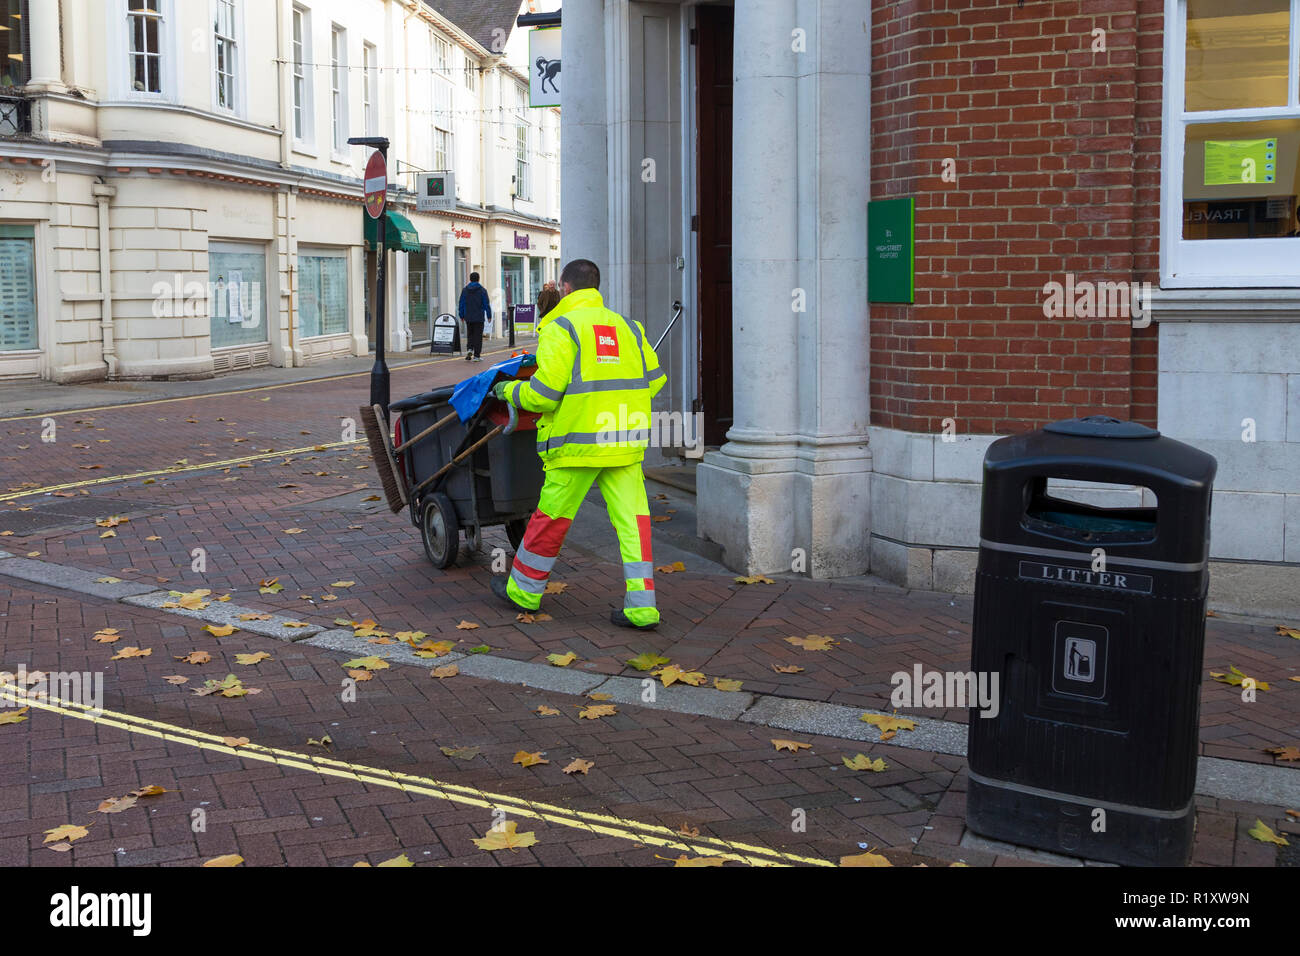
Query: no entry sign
pixel 376 184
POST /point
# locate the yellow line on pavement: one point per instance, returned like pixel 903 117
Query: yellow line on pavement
pixel 600 824
pixel 176 469
pixel 237 391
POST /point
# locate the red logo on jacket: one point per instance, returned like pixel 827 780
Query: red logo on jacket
pixel 606 343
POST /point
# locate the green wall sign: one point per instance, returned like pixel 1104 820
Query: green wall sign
pixel 891 250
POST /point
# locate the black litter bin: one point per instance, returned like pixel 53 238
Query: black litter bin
pixel 497 484
pixel 1094 620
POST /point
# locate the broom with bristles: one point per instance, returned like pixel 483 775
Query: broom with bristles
pixel 385 455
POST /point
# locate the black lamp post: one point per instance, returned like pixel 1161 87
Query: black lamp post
pixel 379 390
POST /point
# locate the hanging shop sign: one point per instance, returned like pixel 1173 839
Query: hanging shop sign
pixel 544 77
pixel 436 192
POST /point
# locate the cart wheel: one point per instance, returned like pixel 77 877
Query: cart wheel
pixel 515 531
pixel 440 530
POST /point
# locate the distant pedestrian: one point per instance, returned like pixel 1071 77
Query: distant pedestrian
pixel 547 299
pixel 474 308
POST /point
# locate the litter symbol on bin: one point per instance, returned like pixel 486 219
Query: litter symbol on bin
pixel 1079 656
pixel 1079 661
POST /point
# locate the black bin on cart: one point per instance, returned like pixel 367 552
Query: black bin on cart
pixel 497 485
pixel 1094 620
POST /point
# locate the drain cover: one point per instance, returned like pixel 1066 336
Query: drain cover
pixel 349 502
pixel 65 513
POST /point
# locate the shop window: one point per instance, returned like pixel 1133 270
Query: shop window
pixel 512 279
pixel 535 280
pixel 17 289
pixel 322 295
pixel 422 292
pixel 237 300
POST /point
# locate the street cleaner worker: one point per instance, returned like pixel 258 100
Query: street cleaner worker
pixel 596 373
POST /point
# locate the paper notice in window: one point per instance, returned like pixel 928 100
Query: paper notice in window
pixel 234 300
pixel 1230 162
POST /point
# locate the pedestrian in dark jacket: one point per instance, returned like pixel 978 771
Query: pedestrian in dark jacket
pixel 474 308
pixel 547 299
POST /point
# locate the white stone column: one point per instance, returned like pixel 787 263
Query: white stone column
pixel 745 489
pixel 584 173
pixel 793 481
pixel 448 294
pixel 492 277
pixel 833 483
pixel 43 38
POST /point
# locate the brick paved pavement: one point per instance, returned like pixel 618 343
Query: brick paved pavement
pixel 652 767
pixel 239 517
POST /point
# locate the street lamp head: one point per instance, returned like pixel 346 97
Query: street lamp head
pixel 378 142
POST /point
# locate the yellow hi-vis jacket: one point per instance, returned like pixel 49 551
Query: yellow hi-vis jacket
pixel 596 373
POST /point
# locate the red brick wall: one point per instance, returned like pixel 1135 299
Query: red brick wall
pixel 1057 162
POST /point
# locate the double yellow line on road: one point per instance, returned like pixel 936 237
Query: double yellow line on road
pixel 175 470
pixel 645 834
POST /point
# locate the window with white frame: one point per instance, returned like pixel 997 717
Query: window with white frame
pixel 225 49
pixel 440 96
pixel 370 88
pixel 339 86
pixel 441 56
pixel 302 76
pixel 471 73
pixel 1232 144
pixel 442 150
pixel 523 166
pixel 145 57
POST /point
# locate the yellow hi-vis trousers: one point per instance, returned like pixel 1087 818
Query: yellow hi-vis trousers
pixel 562 493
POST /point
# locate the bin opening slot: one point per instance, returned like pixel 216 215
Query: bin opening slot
pixel 1072 512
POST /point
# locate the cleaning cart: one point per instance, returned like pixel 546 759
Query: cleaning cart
pixel 460 460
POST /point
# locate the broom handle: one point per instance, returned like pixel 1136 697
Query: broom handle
pixel 457 460
pixel 424 434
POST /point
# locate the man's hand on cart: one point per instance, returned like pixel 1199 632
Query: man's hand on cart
pixel 499 391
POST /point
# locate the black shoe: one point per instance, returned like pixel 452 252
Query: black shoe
pixel 469 358
pixel 499 589
pixel 617 617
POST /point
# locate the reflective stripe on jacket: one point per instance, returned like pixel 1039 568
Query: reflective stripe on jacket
pixel 596 373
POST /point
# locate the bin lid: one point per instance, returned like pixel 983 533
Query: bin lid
pixel 1101 426
pixel 439 396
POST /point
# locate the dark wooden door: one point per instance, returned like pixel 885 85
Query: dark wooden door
pixel 714 26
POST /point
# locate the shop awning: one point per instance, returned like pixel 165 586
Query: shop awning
pixel 399 234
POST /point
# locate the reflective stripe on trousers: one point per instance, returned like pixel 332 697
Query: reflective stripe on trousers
pixel 536 557
pixel 563 491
